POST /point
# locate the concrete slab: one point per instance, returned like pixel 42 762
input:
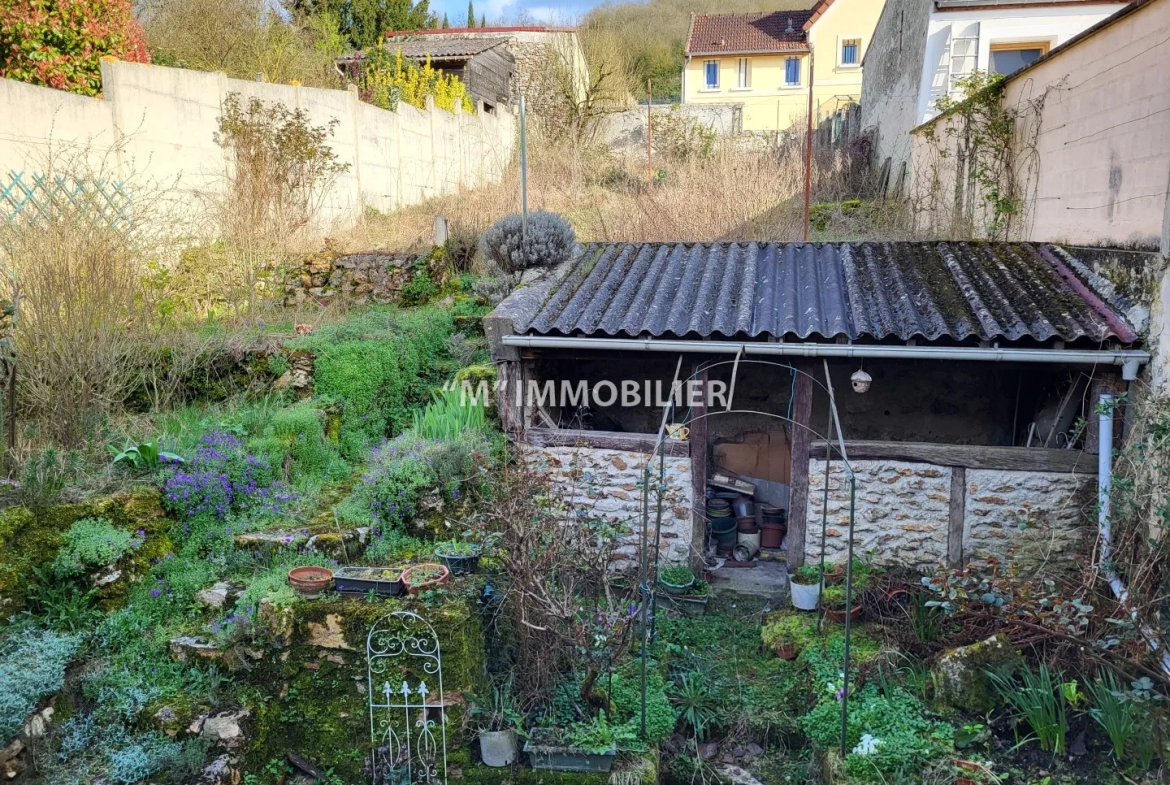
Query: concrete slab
pixel 768 579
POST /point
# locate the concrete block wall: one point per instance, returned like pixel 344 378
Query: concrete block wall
pixel 157 125
pixel 607 484
pixel 903 510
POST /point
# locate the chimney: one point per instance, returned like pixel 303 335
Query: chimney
pixel 790 29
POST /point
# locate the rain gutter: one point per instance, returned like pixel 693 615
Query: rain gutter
pixel 1130 360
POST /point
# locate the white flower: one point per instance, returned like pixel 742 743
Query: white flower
pixel 868 745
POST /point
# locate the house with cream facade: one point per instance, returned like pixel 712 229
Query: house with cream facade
pixel 769 61
pixel 928 47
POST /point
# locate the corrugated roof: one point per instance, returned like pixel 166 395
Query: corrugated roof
pixel 440 49
pixel 778 31
pixel 904 291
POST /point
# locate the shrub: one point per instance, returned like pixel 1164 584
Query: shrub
pixel 300 430
pixel 60 43
pixel 32 665
pixel 388 79
pixel 548 240
pixel 94 542
pixel 380 364
pixel 223 478
pixel 404 470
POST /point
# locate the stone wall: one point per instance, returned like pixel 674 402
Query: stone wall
pixel 901 512
pixel 1045 514
pixel 355 278
pixel 607 483
pixel 626 131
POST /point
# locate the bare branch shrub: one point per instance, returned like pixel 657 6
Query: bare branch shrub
pixel 557 560
pixel 74 260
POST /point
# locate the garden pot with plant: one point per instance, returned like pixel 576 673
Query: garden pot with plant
pixel 309 582
pixel 971 772
pixel 383 581
pixel 461 558
pixel 834 573
pixel 693 603
pixel 833 601
pixel 677 579
pixel 584 747
pixel 805 587
pixel 495 717
pixel 785 634
pixel 422 577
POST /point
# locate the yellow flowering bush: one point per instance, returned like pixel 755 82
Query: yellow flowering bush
pixel 388 79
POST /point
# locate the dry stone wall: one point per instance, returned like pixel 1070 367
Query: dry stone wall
pixel 356 279
pixel 900 517
pixel 607 484
pixel 1044 514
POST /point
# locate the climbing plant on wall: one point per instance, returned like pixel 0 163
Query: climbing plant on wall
pixel 389 78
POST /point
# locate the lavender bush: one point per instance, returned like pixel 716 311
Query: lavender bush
pixel 221 479
pixel 404 470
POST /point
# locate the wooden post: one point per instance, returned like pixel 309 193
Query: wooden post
pixel 698 442
pixel 798 488
pixel 958 513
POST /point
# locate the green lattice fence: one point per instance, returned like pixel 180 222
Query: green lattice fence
pixel 29 197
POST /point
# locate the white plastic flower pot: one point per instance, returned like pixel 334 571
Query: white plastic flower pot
pixel 498 748
pixel 805 598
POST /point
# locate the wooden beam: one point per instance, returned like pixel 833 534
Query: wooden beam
pixel 604 440
pixel 698 441
pixel 1024 459
pixel 958 513
pixel 798 487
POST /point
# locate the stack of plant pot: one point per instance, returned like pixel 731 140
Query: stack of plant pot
pixel 722 524
pixel 747 532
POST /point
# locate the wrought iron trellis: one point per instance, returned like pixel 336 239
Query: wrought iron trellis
pixel 405 749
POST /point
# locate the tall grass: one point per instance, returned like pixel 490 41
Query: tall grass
pixel 1117 715
pixel 449 415
pixel 1039 701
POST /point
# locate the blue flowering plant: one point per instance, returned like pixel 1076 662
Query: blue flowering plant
pixel 223 478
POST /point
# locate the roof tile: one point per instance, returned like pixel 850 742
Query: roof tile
pixel 778 31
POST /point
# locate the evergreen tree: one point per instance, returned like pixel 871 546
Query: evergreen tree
pixel 446 24
pixel 470 13
pixel 364 23
pixel 483 21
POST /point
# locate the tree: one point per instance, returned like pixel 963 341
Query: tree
pixel 365 22
pixel 470 13
pixel 60 43
pixel 483 20
pixel 446 24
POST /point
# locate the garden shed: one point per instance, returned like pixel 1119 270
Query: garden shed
pixel 967 380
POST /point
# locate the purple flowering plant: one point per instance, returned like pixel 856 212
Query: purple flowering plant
pixel 223 478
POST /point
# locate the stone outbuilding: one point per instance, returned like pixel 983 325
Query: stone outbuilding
pixel 966 380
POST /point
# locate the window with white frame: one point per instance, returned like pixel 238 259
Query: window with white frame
pixel 851 51
pixel 792 72
pixel 711 74
pixel 743 74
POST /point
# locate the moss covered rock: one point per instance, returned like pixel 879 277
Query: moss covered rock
pixel 311 697
pixel 30 540
pixel 960 675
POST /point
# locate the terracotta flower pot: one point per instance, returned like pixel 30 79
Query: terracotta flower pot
pixel 834 573
pixel 415 582
pixel 772 534
pixel 310 581
pixel 897 597
pixel 838 614
pixel 970 766
pixel 786 650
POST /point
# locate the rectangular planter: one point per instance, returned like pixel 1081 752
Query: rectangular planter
pixel 362 580
pixel 693 606
pixel 568 759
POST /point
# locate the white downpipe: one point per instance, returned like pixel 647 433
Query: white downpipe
pixel 1129 359
pixel 1105 521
